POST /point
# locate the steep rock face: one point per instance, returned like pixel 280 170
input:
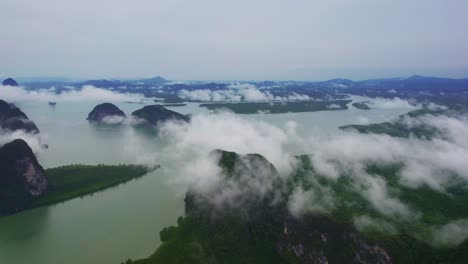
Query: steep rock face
pixel 9 82
pixel 154 114
pixel 12 118
pixel 241 176
pixel 21 177
pixel 106 113
pixel 265 220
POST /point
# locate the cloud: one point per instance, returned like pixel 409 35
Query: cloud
pixel 230 132
pixel 425 162
pixel 362 120
pixel 238 92
pixel 113 120
pixel 34 141
pixel 319 199
pixel 298 97
pixel 86 93
pixel 367 223
pixel 431 163
pixel 209 95
pixel 333 106
pixel 394 103
pixel 451 234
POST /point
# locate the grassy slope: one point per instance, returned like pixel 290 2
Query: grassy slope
pixel 67 182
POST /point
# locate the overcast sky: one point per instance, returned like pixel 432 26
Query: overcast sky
pixel 239 39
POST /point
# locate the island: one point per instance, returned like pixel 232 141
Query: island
pixel 70 181
pixel 10 82
pixel 24 184
pixel 400 127
pixel 155 114
pixel 22 178
pixel 279 107
pixel 257 227
pixel 174 104
pixel 172 99
pixel 106 113
pixel 361 105
pixel 12 119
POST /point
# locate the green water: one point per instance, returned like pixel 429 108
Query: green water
pixel 124 221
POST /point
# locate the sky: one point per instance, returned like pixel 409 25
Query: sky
pixel 235 40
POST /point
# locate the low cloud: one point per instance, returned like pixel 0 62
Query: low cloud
pixel 113 120
pixel 34 141
pixel 333 106
pixel 230 132
pixel 319 199
pixel 367 223
pixel 451 234
pixel 438 163
pixel 239 92
pixel 86 93
pixel 394 103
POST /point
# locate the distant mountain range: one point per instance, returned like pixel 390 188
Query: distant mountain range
pixel 416 87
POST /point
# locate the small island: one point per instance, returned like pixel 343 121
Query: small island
pixel 400 127
pixel 279 107
pixel 70 181
pixel 361 105
pixel 174 104
pixel 24 184
pixel 10 82
pixel 172 99
pixel 155 114
pixel 106 113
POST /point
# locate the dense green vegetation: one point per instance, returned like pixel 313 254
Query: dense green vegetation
pixel 67 182
pixel 394 129
pixel 279 107
pixel 400 128
pixel 265 232
pixel 434 207
pixel 410 241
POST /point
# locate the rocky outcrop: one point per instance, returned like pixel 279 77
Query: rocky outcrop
pixel 247 198
pixel 12 119
pixel 252 184
pixel 22 178
pixel 154 114
pixel 9 82
pixel 106 113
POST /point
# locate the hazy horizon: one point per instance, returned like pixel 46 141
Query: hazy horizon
pixel 77 79
pixel 209 40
